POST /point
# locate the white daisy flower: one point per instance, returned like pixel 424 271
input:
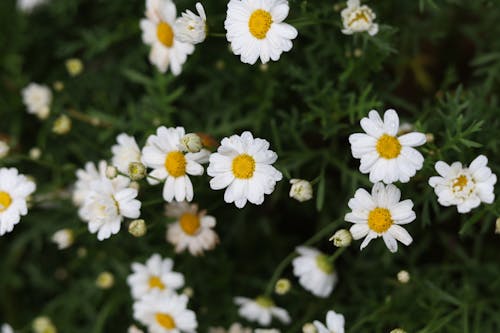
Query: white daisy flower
pixel 261 310
pixel 125 152
pixel 256 29
pixel 63 238
pixel 4 148
pixel 14 190
pixel 464 187
pixel 243 165
pixel 193 230
pixel 164 312
pixel 192 28
pixel 37 99
pixel 380 214
pixel 158 31
pixel 315 272
pixel 6 328
pixel 334 323
pixel 163 153
pixel 107 204
pixel 357 18
pixel 384 155
pixel 85 177
pixel 156 274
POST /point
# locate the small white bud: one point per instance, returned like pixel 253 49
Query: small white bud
pixel 137 228
pixel 398 330
pixel 282 286
pixel 74 66
pixel 191 142
pixel 301 190
pixel 43 324
pixel 188 291
pixel 4 148
pixel 403 276
pixel 341 238
pixel 429 137
pixel 309 328
pixel 105 280
pixel 136 171
pixel 64 238
pixel 62 125
pixel 111 172
pixel 497 226
pixel 35 153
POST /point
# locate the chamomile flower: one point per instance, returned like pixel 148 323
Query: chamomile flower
pixel 380 214
pixel 107 203
pixel 464 187
pixel 163 153
pixel 192 28
pixel 14 190
pixel 158 31
pixel 192 230
pixel 156 274
pixel 261 310
pixel 125 152
pixel 164 312
pixel 37 99
pixel 314 271
pixel 357 18
pixel 256 29
pixel 85 177
pixel 334 323
pixel 383 154
pixel 243 165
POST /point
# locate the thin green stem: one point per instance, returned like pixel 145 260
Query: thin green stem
pixel 337 254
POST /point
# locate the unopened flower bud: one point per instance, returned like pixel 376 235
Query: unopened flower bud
pixel 43 324
pixel 309 328
pixel 62 125
pixel 398 330
pixel 188 291
pixel 137 228
pixel 35 153
pixel 429 137
pixel 136 171
pixel 64 238
pixel 191 142
pixel 4 148
pixel 403 276
pixel 111 172
pixel 497 226
pixel 341 238
pixel 105 280
pixel 282 286
pixel 74 66
pixel 301 190
pixel 58 86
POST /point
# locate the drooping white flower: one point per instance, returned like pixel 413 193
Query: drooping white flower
pixel 315 272
pixel 261 310
pixel 107 203
pixel 383 154
pixel 14 191
pixel 158 31
pixel 6 328
pixel 334 323
pixel 63 238
pixel 125 152
pixel 193 230
pixel 192 28
pixel 380 214
pixel 357 18
pixel 301 190
pixel 243 165
pixel 85 177
pixel 156 274
pixel 256 29
pixel 27 6
pixel 163 153
pixel 464 187
pixel 164 312
pixel 37 99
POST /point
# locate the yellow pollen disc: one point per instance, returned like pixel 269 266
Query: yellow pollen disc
pixel 5 201
pixel 155 282
pixel 260 23
pixel 243 166
pixel 165 320
pixel 359 16
pixel 190 223
pixel 460 182
pixel 380 220
pixel 165 34
pixel 388 146
pixel 175 163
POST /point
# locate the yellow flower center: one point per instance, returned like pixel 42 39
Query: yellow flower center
pixel 264 301
pixel 380 220
pixel 175 163
pixel 5 201
pixel 460 182
pixel 388 146
pixel 165 320
pixel 260 23
pixel 324 264
pixel 243 166
pixel 360 15
pixel 190 223
pixel 155 282
pixel 165 34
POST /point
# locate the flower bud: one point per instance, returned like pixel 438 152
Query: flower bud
pixel 136 171
pixel 191 142
pixel 64 238
pixel 62 125
pixel 111 172
pixel 309 328
pixel 282 286
pixel 105 280
pixel 341 238
pixel 35 153
pixel 398 330
pixel 497 226
pixel 74 66
pixel 188 291
pixel 403 277
pixel 58 86
pixel 429 137
pixel 137 228
pixel 4 148
pixel 301 190
pixel 43 324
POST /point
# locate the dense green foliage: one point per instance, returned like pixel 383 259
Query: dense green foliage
pixel 436 62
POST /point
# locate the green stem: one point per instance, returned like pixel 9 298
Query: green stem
pixel 337 254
